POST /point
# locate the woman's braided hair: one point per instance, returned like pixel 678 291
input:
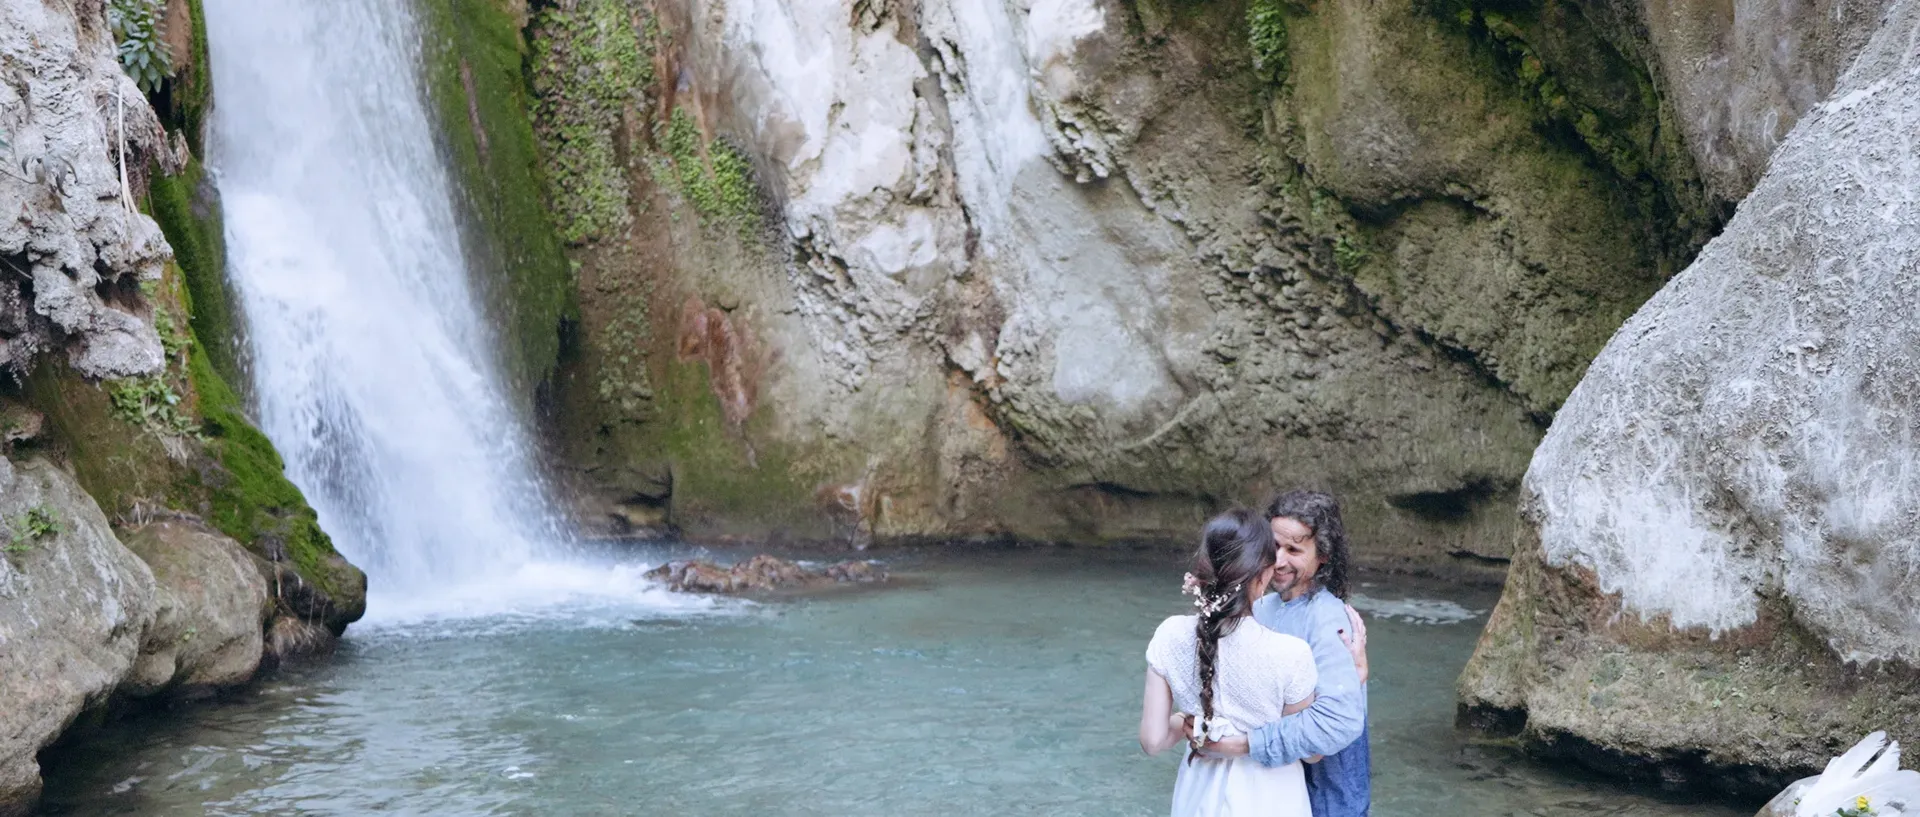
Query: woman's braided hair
pixel 1234 547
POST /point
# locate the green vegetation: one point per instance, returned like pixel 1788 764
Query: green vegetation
pixel 239 486
pixel 713 176
pixel 1585 93
pixel 136 27
pixel 1862 807
pixel 1348 254
pixel 249 497
pixel 151 403
pixel 39 521
pixel 1267 36
pixel 189 216
pixel 592 64
pixel 476 78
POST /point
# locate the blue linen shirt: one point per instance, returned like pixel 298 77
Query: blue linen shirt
pixel 1335 725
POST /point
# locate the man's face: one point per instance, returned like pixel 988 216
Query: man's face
pixel 1297 558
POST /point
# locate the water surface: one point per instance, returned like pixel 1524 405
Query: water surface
pixel 996 683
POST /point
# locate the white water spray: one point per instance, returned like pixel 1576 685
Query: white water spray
pixel 372 362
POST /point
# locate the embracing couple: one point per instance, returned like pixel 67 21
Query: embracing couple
pixel 1267 691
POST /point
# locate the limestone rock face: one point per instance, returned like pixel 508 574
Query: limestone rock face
pixel 1739 75
pixel 74 607
pixel 1723 513
pixel 212 607
pixel 70 120
pixel 1085 270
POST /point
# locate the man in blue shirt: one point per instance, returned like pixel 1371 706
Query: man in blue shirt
pixel 1310 585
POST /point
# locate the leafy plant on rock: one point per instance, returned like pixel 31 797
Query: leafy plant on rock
pixel 151 403
pixel 1267 35
pixel 713 176
pixel 39 521
pixel 136 27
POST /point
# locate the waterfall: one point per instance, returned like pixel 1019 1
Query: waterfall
pixel 372 361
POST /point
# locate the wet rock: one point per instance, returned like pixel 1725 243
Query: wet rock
pixel 212 611
pixel 762 573
pixel 857 571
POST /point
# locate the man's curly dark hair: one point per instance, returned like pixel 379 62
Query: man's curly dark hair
pixel 1320 512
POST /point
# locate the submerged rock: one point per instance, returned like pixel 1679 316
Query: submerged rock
pixel 762 573
pixel 1716 585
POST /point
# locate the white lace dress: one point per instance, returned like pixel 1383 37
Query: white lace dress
pixel 1258 673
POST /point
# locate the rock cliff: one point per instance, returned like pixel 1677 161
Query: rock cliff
pixel 1720 521
pixel 77 134
pixel 1080 270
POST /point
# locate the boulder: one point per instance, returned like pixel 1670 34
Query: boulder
pixel 212 609
pixel 1714 585
pixel 75 606
pixel 761 574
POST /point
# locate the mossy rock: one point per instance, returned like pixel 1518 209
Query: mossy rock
pixel 475 70
pixel 198 454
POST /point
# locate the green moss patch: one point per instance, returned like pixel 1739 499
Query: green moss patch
pixel 249 497
pixel 1585 93
pixel 180 439
pixel 188 212
pixel 1267 36
pixel 592 64
pixel 479 89
pixel 712 176
pixel 187 97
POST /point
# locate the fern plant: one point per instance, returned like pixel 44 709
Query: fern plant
pixel 136 27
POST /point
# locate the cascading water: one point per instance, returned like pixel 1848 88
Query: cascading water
pixel 372 363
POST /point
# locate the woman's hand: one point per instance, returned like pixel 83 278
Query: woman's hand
pixel 1355 637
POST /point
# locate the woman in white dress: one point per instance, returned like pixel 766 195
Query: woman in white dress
pixel 1228 674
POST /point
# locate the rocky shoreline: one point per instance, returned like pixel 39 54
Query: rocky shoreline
pixel 151 550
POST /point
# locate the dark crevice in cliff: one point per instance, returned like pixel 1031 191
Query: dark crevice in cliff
pixel 1590 97
pixel 1449 505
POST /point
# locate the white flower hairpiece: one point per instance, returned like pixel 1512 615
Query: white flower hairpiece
pixel 1208 605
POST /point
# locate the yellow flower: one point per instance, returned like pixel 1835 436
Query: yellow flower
pixel 1860 802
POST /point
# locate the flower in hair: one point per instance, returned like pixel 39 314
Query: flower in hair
pixel 1208 604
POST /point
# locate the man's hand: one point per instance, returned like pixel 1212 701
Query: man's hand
pixel 1235 746
pixel 1355 637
